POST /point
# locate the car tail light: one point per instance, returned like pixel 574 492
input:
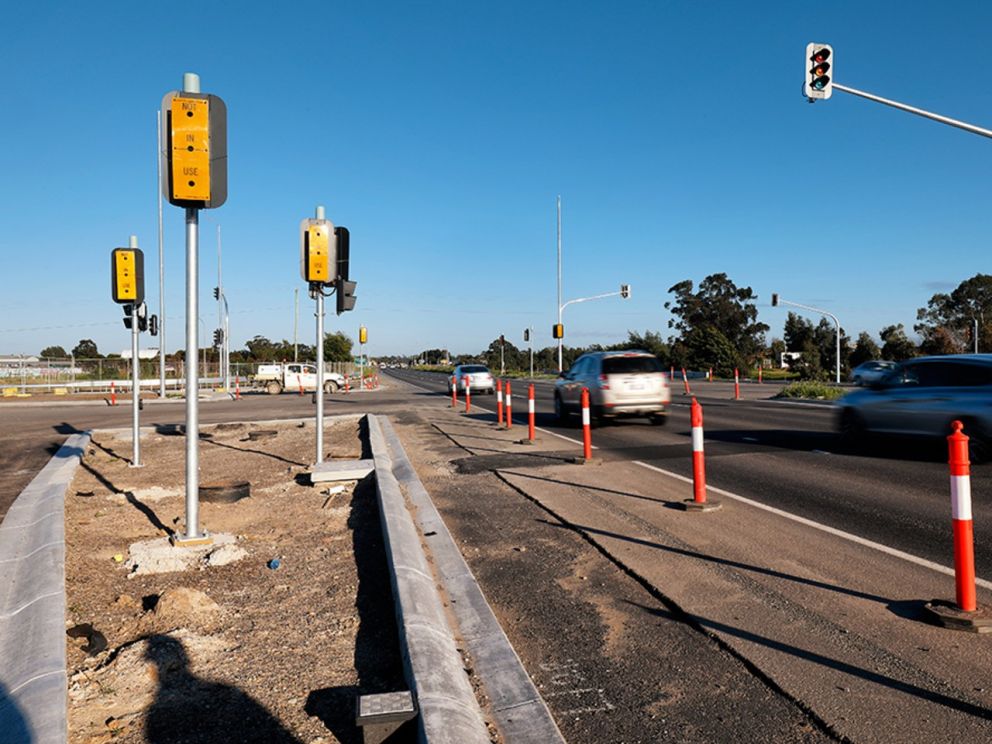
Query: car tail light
pixel 604 382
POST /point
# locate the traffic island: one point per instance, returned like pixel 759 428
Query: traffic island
pixel 269 632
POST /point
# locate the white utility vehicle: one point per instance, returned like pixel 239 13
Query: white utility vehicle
pixel 274 378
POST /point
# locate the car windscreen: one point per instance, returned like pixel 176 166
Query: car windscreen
pixel 474 368
pixel 630 365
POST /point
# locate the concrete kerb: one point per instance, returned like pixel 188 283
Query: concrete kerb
pixel 449 711
pixel 32 604
pixel 521 714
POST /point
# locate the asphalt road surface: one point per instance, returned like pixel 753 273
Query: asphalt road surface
pixel 787 455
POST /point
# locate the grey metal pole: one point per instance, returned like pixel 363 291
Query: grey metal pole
pixel 192 379
pixel 220 315
pixel 296 320
pixel 918 111
pixel 135 381
pixel 821 312
pixel 161 264
pixel 320 374
pixel 318 292
pixel 559 280
pixel 361 367
pixel 976 334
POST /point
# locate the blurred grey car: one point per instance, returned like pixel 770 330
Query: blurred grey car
pixel 921 397
pixel 478 375
pixel 621 383
pixel 871 371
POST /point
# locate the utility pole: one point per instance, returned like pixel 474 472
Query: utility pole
pixel 161 269
pixel 560 308
pixel 296 320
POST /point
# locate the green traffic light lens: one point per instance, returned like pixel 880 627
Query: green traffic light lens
pixel 820 83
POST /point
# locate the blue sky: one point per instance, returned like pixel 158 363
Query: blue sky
pixel 441 132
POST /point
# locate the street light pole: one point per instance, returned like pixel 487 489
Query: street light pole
pixel 560 307
pixel 776 300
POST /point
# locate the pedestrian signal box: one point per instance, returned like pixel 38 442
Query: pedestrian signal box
pixel 127 275
pixel 318 254
pixel 363 335
pixel 194 150
pixel 558 331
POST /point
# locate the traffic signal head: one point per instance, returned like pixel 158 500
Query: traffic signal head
pixel 317 251
pixel 216 293
pixel 343 240
pixel 194 149
pixel 363 335
pixel 502 339
pixel 218 337
pixel 774 299
pixel 819 73
pixel 346 296
pixel 558 331
pixel 526 334
pixel 127 275
pixel 153 325
pixel 625 291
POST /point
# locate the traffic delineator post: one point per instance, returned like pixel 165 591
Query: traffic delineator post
pixel 237 387
pixel 499 402
pixel 454 391
pixel 685 382
pixel 468 394
pixel 586 426
pixel 965 613
pixel 760 380
pixel 508 402
pixel 530 414
pixel 347 383
pixel 710 377
pixel 113 394
pixel 698 501
pixel 737 384
pixel 299 381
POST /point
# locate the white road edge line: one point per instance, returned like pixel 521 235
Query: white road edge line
pixel 822 527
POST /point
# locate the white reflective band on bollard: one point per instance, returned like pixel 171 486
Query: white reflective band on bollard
pixel 585 417
pixel 961 497
pixel 530 405
pixel 697 439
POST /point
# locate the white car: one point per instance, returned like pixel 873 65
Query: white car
pixel 620 383
pixel 479 377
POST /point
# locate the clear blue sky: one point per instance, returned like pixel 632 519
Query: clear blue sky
pixel 440 134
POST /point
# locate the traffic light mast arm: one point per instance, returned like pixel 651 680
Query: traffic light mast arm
pixel 586 299
pixel 918 111
pixel 833 317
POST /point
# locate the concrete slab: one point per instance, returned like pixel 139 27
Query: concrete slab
pixel 161 556
pixel 340 470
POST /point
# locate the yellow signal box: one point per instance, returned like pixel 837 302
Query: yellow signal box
pixel 363 335
pixel 558 331
pixel 318 254
pixel 127 275
pixel 194 149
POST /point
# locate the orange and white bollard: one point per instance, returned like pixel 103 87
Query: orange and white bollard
pixel 113 394
pixel 710 377
pixel 499 402
pixel 685 382
pixel 530 412
pixel 698 501
pixel 671 374
pixel 299 381
pixel 737 384
pixel 468 394
pixel 237 388
pixel 964 540
pixel 454 391
pixel 760 380
pixel 347 383
pixel 508 401
pixel 586 426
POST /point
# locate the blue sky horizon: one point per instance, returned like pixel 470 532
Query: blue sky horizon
pixel 440 133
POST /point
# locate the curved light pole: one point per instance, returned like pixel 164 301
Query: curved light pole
pixel 776 301
pixel 624 292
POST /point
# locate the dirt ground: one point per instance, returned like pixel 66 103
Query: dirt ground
pixel 235 652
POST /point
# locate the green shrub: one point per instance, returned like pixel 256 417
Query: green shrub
pixel 811 389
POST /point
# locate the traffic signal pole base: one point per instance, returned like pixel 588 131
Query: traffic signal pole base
pixel 949 615
pixel 181 541
pixel 132 465
pixel 692 505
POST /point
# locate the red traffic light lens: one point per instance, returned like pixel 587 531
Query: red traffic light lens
pixel 821 55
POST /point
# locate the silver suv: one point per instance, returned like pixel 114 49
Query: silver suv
pixel 921 398
pixel 621 383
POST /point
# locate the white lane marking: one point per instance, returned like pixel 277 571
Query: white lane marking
pixel 822 527
pixel 749 439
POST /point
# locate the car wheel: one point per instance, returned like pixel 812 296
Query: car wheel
pixel 559 409
pixel 658 419
pixel 979 445
pixel 852 427
pixel 330 387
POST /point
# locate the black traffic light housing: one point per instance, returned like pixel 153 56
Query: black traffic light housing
pixel 774 299
pixel 153 325
pixel 526 334
pixel 128 315
pixel 558 331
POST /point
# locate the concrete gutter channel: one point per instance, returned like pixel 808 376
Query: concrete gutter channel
pixel 33 681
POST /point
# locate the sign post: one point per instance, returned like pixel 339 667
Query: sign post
pixel 127 280
pixel 318 256
pixel 194 149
